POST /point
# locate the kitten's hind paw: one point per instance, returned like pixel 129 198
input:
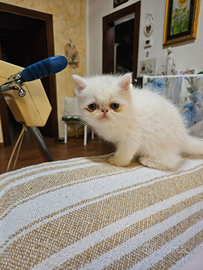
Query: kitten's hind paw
pixel 147 161
pixel 171 163
pixel 117 162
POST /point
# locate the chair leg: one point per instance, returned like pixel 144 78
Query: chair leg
pixel 65 132
pixel 92 133
pixel 85 134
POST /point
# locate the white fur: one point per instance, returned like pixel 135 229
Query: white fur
pixel 147 126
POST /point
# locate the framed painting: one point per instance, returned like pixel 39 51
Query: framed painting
pixel 117 3
pixel 147 67
pixel 181 20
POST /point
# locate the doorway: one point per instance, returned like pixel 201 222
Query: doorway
pixel 26 37
pixel 121 29
pixel 123 46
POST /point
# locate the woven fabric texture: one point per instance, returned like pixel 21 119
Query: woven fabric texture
pixel 84 213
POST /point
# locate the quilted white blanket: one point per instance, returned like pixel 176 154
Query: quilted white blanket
pixel 86 214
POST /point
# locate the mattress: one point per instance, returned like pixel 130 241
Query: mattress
pixel 84 213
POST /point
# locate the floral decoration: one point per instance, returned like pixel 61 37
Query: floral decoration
pixel 185 91
pixel 182 2
pixel 156 84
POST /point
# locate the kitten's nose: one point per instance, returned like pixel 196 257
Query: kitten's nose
pixel 104 111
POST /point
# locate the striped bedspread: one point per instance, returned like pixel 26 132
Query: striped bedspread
pixel 84 213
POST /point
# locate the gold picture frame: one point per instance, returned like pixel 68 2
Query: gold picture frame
pixel 117 3
pixel 181 21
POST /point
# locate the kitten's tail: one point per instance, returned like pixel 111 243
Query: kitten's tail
pixel 193 146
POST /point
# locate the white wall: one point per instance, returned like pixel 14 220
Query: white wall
pixel 189 55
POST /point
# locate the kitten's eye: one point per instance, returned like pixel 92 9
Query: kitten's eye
pixel 92 107
pixel 114 106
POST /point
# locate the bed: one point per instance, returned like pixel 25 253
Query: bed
pixel 84 213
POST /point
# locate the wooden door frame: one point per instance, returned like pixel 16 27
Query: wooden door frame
pixel 4 119
pixel 47 18
pixel 109 36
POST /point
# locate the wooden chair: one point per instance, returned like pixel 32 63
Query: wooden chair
pixel 74 119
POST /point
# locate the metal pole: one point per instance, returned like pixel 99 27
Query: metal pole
pixel 37 137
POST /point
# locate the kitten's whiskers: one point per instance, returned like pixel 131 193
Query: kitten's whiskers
pixel 80 124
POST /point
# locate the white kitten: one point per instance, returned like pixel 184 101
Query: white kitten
pixel 139 122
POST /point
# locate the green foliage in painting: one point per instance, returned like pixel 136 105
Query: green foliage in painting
pixel 180 20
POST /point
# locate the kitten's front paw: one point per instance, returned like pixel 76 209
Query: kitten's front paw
pixel 147 161
pixel 117 162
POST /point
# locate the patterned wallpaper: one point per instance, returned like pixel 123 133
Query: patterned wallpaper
pixel 69 22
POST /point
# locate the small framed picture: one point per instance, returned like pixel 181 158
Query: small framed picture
pixel 147 67
pixel 181 20
pixel 117 3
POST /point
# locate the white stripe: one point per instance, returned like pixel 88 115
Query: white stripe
pixel 153 174
pixel 100 235
pixel 52 172
pixel 188 164
pixel 43 166
pixel 140 239
pixel 58 199
pixel 67 196
pixel 36 168
pixel 169 247
pixel 55 188
pixel 71 195
pixel 184 260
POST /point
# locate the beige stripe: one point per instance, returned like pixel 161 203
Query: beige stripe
pixel 85 202
pixel 61 179
pixel 74 226
pixel 177 254
pixel 62 210
pixel 157 242
pixel 47 167
pixel 20 193
pixel 37 169
pixel 44 167
pixel 124 235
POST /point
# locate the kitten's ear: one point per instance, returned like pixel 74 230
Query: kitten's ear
pixel 79 82
pixel 125 81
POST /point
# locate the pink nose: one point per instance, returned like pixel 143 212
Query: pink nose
pixel 104 111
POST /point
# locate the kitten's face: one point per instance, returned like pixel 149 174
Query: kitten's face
pixel 102 111
pixel 103 99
